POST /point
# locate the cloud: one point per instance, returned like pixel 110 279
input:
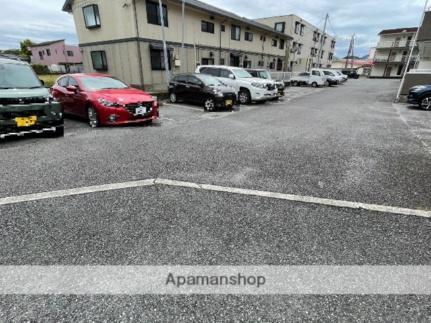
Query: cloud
pixel 42 20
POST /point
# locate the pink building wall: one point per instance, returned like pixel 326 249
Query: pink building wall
pixel 58 54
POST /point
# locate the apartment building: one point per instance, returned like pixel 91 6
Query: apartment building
pixel 57 56
pixel 304 52
pixel 392 52
pixel 123 38
pixel 421 72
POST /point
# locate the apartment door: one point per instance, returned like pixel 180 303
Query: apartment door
pixel 234 60
pixel 388 71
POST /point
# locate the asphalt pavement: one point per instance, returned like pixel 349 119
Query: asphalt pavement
pixel 348 143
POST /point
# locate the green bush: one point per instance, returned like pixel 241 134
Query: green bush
pixel 41 69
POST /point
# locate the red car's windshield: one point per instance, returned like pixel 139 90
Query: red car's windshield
pixel 102 83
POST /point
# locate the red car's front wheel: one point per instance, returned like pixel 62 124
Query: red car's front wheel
pixel 93 118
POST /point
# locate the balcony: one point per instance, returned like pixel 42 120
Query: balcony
pixel 394 44
pixel 400 59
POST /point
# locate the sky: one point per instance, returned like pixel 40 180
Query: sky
pixel 43 20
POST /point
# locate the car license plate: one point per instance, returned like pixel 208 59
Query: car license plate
pixel 229 102
pixel 25 121
pixel 141 110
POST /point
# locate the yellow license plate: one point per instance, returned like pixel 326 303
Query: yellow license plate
pixel 229 102
pixel 25 121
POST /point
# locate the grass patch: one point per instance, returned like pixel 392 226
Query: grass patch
pixel 49 79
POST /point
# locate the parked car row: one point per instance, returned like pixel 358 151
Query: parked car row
pixel 319 77
pixel 27 107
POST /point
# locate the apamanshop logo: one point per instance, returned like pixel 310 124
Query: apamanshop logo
pixel 198 280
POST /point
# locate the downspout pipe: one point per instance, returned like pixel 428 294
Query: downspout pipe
pixel 141 67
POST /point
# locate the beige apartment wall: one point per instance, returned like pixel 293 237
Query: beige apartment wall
pixel 117 21
pixel 194 35
pixel 303 59
pixel 122 60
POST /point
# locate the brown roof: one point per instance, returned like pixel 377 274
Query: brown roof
pixel 47 43
pixel 399 30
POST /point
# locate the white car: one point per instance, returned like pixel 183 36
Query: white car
pixel 313 78
pixel 247 87
pixel 342 76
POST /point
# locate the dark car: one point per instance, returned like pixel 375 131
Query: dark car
pixel 202 89
pixel 104 100
pixel 25 104
pixel 352 74
pixel 420 95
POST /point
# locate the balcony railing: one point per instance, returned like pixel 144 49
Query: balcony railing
pixel 394 44
pixel 394 59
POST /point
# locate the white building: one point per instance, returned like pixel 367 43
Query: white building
pixel 304 53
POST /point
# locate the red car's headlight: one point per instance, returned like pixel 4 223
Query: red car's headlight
pixel 108 103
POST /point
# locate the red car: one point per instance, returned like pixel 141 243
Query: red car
pixel 104 100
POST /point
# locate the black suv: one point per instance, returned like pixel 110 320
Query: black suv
pixel 351 73
pixel 203 89
pixel 420 95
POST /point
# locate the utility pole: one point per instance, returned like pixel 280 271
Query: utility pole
pixel 183 56
pixel 319 57
pixel 351 51
pixel 165 49
pixel 411 52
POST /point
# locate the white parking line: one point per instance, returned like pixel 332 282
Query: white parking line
pixel 74 191
pixel 215 188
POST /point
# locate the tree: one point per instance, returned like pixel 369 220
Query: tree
pixel 25 44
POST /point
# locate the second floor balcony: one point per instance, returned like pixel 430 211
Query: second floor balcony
pixel 401 59
pixel 395 44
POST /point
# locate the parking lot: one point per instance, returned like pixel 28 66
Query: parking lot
pixel 349 143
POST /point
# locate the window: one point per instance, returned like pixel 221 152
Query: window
pixel 236 32
pixel 225 73
pixel 297 27
pixel 322 53
pixel 223 28
pixel 153 14
pixel 315 36
pixel 324 40
pixel 48 52
pixel 246 64
pixel 73 82
pixel 99 60
pixel 91 16
pixel 221 61
pixel 261 63
pixel 63 81
pixel 282 44
pixel 69 53
pixel 330 56
pixel 280 26
pixel 211 71
pixel 248 36
pixel 315 73
pixel 180 79
pixel 302 30
pixel 333 44
pixel 207 61
pixel 158 59
pixel 274 42
pixel 193 80
pixel 207 27
pixel 299 49
pixel 41 55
